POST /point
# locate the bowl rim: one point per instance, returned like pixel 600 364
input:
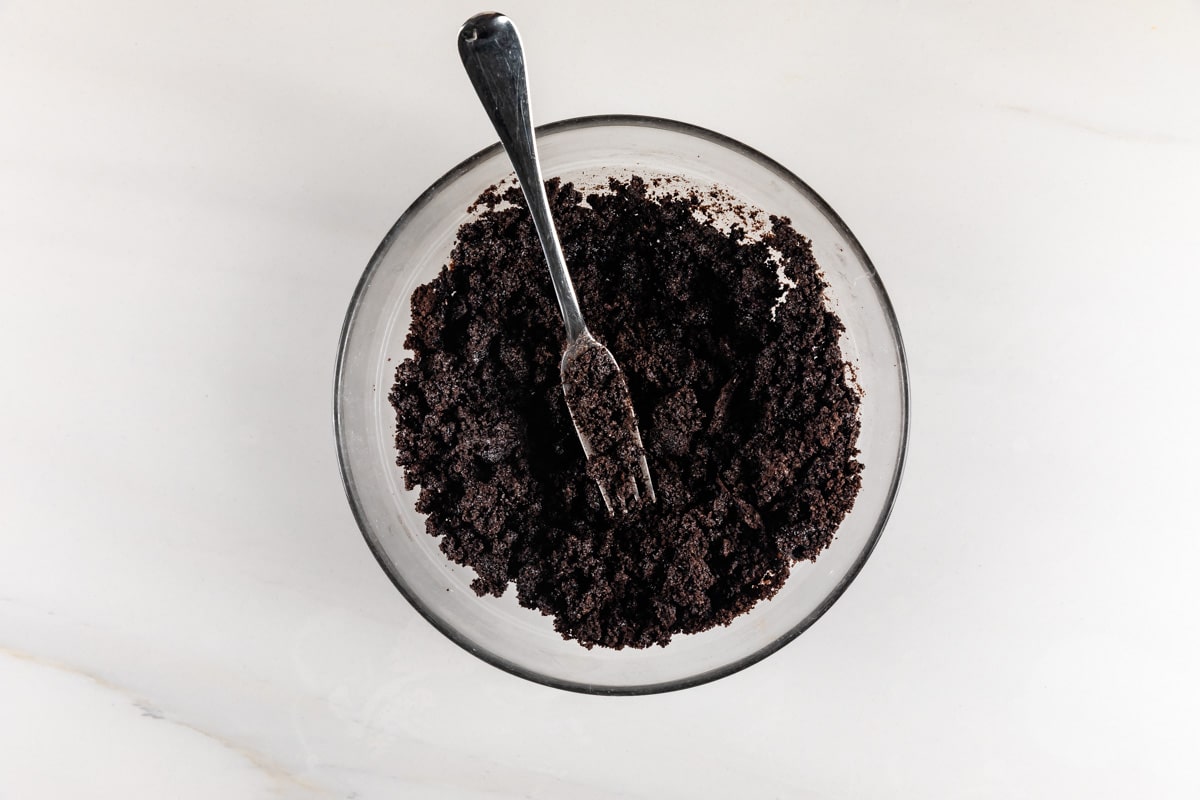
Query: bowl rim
pixel 674 126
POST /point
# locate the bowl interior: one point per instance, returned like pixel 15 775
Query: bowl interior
pixel 587 152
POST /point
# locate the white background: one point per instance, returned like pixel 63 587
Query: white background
pixel 188 194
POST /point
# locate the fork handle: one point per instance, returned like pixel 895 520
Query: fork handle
pixel 491 52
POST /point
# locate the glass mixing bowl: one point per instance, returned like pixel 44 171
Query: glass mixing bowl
pixel 498 630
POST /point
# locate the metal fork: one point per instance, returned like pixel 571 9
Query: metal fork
pixel 595 389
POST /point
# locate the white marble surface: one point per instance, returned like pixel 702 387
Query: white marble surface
pixel 188 193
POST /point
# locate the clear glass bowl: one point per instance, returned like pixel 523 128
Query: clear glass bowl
pixel 498 630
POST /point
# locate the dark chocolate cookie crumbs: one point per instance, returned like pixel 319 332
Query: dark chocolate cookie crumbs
pixel 747 417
